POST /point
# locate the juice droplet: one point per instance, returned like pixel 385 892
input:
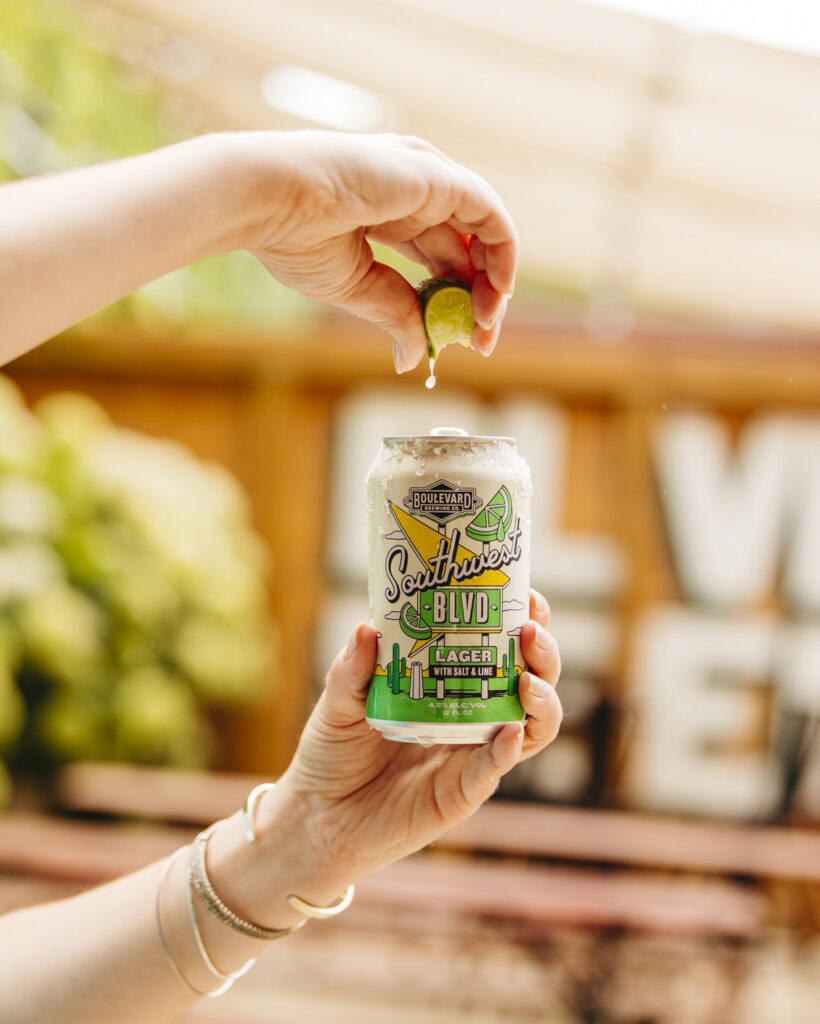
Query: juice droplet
pixel 431 380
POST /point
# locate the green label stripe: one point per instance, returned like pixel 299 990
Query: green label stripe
pixel 461 609
pixel 468 706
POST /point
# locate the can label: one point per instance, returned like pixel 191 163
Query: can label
pixel 450 592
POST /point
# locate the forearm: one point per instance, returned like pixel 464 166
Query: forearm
pixel 98 957
pixel 71 243
pixel 93 958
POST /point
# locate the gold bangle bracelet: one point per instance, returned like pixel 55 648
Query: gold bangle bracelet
pixel 302 906
pixel 321 913
pixel 250 806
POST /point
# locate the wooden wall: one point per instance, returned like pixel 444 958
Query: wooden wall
pixel 266 409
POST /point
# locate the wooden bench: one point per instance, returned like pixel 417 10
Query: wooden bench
pixel 524 878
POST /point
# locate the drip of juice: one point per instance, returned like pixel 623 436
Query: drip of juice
pixel 431 380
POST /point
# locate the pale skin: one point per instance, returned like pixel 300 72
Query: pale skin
pixel 308 204
pixel 350 801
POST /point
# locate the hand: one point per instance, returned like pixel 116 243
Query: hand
pixel 344 191
pixel 369 801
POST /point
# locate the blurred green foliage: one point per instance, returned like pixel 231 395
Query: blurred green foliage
pixel 132 592
pixel 66 100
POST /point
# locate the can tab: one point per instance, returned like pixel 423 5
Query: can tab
pixel 448 432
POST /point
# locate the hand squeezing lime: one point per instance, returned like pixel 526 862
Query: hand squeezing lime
pixel 447 311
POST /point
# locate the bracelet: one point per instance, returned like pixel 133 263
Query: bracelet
pixel 200 883
pixel 180 976
pixel 227 979
pixel 250 806
pixel 308 909
pixel 320 913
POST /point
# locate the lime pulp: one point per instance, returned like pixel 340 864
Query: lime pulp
pixel 447 313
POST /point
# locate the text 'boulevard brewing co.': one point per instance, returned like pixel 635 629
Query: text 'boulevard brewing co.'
pixel 449 522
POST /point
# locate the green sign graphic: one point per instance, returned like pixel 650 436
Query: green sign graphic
pixel 461 609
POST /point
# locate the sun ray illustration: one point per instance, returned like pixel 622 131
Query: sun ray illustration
pixel 425 541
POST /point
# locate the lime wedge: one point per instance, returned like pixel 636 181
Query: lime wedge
pixel 493 521
pixel 413 624
pixel 447 311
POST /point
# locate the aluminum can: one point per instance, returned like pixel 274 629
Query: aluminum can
pixel 449 579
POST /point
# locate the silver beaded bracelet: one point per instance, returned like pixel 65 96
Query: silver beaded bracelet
pixel 201 884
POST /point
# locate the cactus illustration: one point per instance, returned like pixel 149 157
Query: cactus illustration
pixel 511 671
pixel 396 671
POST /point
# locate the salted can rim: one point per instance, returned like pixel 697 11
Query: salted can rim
pixel 446 438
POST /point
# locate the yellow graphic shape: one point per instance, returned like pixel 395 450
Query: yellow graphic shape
pixel 425 541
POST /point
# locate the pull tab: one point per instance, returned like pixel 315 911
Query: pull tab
pixel 448 432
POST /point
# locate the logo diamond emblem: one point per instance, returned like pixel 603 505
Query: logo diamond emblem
pixel 442 501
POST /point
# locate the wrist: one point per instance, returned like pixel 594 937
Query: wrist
pixel 255 879
pixel 231 189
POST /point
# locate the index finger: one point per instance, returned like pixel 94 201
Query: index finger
pixel 459 197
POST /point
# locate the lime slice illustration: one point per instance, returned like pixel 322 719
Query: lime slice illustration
pixel 493 521
pixel 413 624
pixel 447 311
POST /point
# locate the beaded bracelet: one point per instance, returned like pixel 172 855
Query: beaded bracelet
pixel 200 883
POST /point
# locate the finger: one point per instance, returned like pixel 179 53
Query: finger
pixel 541 652
pixel 483 769
pixel 412 252
pixel 544 712
pixel 438 264
pixel 487 301
pixel 446 250
pixel 478 253
pixel 539 608
pixel 484 339
pixel 497 232
pixel 382 296
pixel 345 696
pixel 457 196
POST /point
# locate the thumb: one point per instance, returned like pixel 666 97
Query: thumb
pixel 384 297
pixel 345 696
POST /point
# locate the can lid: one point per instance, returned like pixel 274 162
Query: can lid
pixel 447 433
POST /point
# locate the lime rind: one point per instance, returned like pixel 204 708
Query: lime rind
pixel 447 312
pixel 493 521
pixel 413 624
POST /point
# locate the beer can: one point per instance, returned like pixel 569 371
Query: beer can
pixel 449 531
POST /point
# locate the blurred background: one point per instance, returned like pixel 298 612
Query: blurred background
pixel 182 533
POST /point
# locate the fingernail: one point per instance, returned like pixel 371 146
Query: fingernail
pixel 501 309
pixel 542 637
pixel 398 358
pixel 540 602
pixel 353 643
pixel 538 688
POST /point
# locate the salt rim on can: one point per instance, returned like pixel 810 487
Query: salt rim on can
pixel 449 585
